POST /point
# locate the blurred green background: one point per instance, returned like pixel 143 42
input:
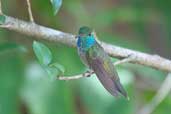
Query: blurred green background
pixel 25 88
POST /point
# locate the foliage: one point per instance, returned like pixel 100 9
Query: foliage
pixel 43 53
pixel 56 5
pixel 44 56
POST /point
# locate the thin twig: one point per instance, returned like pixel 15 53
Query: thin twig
pixel 90 72
pixel 86 74
pixel 49 34
pixel 159 97
pixel 126 60
pixel 29 11
pixel 0 7
pixel 70 77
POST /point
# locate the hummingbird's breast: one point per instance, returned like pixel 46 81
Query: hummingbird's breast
pixel 83 46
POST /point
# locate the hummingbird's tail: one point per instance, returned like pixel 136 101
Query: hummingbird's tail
pixel 120 89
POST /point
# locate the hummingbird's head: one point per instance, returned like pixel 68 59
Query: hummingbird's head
pixel 85 38
pixel 85 31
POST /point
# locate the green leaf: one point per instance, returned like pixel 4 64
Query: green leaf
pixel 2 19
pixel 54 70
pixel 56 5
pixel 42 53
pixel 58 66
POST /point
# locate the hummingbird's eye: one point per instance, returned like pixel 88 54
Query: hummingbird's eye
pixel 89 34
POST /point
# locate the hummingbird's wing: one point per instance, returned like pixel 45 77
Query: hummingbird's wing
pixel 103 67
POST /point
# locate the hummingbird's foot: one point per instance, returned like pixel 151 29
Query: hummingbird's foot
pixel 88 73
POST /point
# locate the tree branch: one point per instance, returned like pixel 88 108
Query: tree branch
pixel 0 7
pixel 41 32
pixel 29 11
pixel 158 98
pixel 128 59
pixel 90 72
pixel 66 78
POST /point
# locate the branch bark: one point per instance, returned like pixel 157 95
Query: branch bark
pixel 49 34
pixel 159 97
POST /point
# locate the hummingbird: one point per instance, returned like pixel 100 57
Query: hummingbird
pixel 94 57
